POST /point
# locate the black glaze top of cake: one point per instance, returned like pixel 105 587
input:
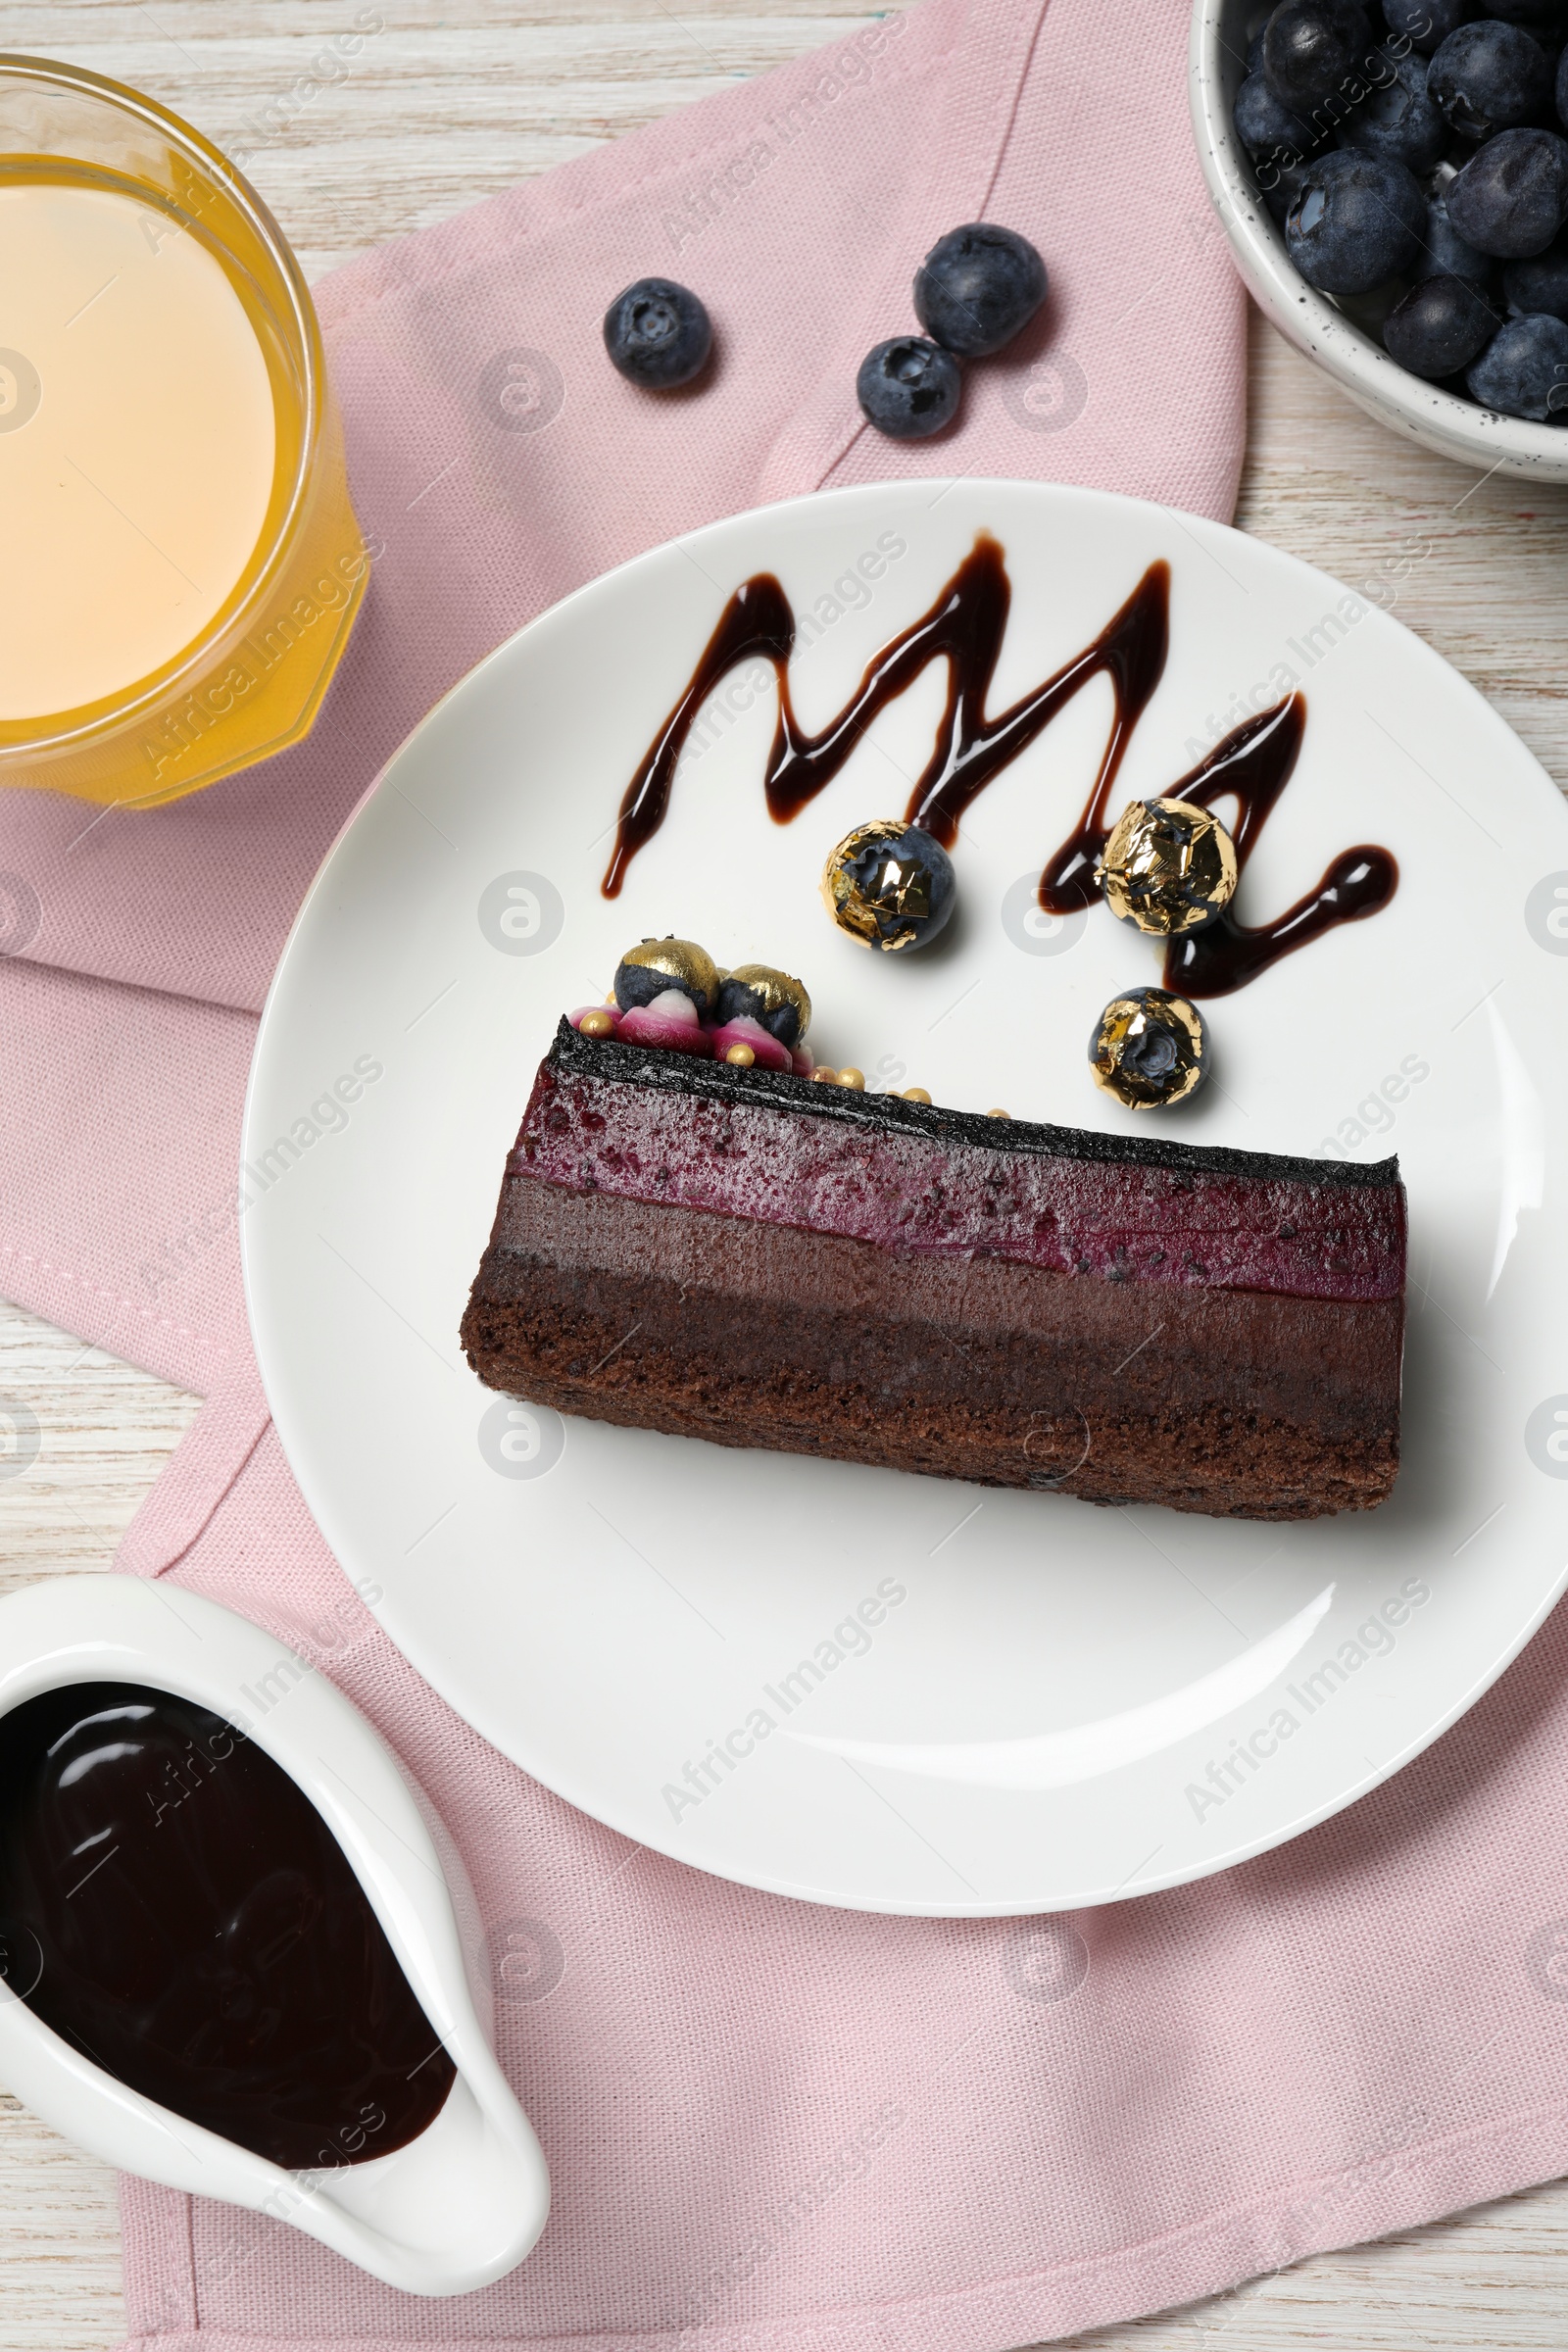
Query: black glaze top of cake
pixel 706 1081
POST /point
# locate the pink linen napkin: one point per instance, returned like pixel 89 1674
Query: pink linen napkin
pixel 768 2124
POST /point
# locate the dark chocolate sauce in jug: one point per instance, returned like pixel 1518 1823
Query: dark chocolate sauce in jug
pixel 965 627
pixel 173 1905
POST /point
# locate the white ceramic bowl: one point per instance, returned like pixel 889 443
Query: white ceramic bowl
pixel 1315 324
pixel 462 2203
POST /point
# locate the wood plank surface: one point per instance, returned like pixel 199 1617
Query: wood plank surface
pixel 450 100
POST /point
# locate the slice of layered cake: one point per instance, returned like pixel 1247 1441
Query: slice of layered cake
pixel 731 1249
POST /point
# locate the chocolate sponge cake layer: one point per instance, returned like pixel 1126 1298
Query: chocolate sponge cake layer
pixel 754 1259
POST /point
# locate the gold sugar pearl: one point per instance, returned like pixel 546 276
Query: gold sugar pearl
pixel 915 1093
pixel 596 1024
pixel 740 1057
pixel 998 1114
pixel 823 1076
pixel 854 1079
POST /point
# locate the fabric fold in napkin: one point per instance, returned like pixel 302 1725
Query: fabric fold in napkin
pixel 768 2124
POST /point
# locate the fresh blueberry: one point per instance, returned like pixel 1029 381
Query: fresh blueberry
pixel 1397 122
pixel 1444 253
pixel 1312 46
pixel 1524 370
pixel 977 287
pixel 1255 50
pixel 1427 24
pixel 908 388
pixel 1280 184
pixel 1439 327
pixel 658 334
pixel 1548 26
pixel 1488 77
pixel 1562 88
pixel 1267 129
pixel 1511 200
pixel 1355 222
pixel 1538 289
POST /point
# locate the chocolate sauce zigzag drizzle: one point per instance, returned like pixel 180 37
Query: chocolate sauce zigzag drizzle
pixel 1253 764
pixel 966 626
pixel 174 1907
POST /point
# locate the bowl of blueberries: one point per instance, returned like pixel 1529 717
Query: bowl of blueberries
pixel 1392 175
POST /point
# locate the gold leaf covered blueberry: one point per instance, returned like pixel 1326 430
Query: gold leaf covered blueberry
pixel 658 965
pixel 1168 867
pixel 1149 1049
pixel 775 1000
pixel 890 886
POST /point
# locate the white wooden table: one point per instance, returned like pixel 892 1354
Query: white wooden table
pixel 450 101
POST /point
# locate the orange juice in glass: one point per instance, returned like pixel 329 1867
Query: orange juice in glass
pixel 181 563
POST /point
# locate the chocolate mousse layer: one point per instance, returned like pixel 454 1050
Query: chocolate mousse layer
pixel 758 1260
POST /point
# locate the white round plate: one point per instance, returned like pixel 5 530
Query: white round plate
pixel 915 1695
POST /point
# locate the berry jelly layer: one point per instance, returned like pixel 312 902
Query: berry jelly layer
pixel 912 1177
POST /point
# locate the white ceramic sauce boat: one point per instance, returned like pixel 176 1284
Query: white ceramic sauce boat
pixel 463 2202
